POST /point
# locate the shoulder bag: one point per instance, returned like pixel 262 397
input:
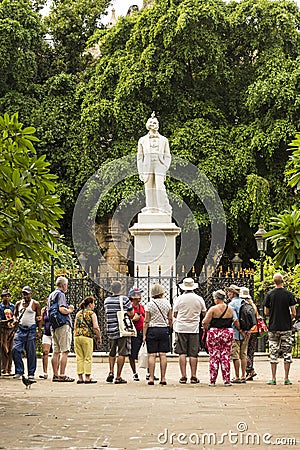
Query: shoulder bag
pixel 126 327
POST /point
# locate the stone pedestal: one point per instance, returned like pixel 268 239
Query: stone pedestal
pixel 154 244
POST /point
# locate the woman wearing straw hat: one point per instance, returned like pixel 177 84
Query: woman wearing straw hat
pixel 157 322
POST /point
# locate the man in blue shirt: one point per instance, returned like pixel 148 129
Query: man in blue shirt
pixel 240 343
pixel 62 336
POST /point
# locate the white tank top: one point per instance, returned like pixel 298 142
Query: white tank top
pixel 28 317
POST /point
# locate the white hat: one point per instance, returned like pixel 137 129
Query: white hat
pixel 244 292
pixel 188 284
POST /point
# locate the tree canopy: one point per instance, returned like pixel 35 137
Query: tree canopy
pixel 29 208
pixel 223 78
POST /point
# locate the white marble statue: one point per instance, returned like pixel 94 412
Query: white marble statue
pixel 153 161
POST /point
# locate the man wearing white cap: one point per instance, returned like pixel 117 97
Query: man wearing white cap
pixel 187 311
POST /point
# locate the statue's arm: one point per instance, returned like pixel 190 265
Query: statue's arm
pixel 140 160
pixel 167 154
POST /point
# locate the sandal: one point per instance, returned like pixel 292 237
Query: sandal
pixel 195 380
pixel 183 380
pixel 236 381
pixel 91 381
pixel 55 378
pixel 110 377
pixel 80 381
pixel 164 383
pixel 120 381
pixel 65 379
pixel 43 377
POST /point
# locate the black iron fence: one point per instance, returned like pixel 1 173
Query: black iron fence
pixel 98 287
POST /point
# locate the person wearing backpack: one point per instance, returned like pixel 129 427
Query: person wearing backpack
pixel 61 335
pixel 253 335
pixel 240 343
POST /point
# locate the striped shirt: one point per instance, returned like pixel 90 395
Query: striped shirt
pixel 112 306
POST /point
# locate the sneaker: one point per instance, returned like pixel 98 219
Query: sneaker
pixel 211 383
pixel 271 382
pixel 227 383
pixel 136 377
pixel 287 382
pixel 148 377
pixel 17 376
pixel 30 377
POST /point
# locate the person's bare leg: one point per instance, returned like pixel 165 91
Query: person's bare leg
pixel 182 365
pixel 46 350
pixel 63 363
pixel 55 363
pixel 243 367
pixel 163 366
pixel 193 366
pixel 236 365
pixel 273 370
pixel 120 364
pixel 112 360
pixel 287 367
pixel 151 361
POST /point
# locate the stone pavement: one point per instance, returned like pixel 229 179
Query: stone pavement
pixel 139 417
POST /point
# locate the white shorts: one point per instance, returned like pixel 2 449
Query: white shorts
pixel 46 339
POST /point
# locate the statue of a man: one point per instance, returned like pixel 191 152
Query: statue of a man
pixel 153 161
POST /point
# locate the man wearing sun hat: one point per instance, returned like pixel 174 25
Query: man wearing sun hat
pixel 187 312
pixel 240 343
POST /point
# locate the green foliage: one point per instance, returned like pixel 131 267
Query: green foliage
pixel 291 276
pixel 72 23
pixel 21 45
pixel 14 275
pixel 285 238
pixel 223 77
pixel 29 208
pixel 292 172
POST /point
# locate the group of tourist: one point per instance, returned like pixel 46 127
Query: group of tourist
pixel 21 326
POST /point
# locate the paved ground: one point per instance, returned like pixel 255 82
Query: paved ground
pixel 137 416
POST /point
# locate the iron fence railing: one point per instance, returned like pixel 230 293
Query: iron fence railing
pixel 98 287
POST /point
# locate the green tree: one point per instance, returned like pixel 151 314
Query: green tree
pixel 29 207
pixel 24 56
pixel 72 23
pixel 223 78
pixel 293 165
pixel 285 238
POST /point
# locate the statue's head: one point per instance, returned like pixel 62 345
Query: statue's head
pixel 152 123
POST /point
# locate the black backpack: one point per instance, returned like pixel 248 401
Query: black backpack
pixel 247 316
